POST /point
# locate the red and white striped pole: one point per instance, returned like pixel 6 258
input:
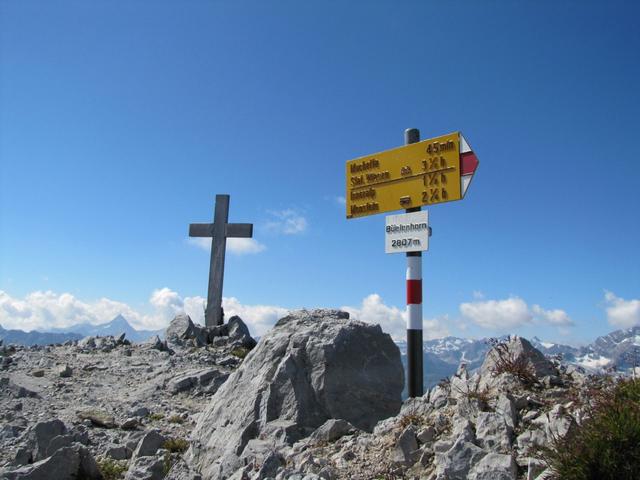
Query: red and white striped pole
pixel 414 304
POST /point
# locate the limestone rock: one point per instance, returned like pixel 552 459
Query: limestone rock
pixel 129 424
pixel 239 332
pixel 519 349
pixel 494 466
pixel 455 463
pixel 332 430
pixel 208 379
pixel 406 449
pixel 149 444
pixel 119 452
pixel 156 344
pixel 98 418
pixel 146 468
pixel 312 366
pixel 182 328
pixel 493 432
pixel 70 463
pixel 43 433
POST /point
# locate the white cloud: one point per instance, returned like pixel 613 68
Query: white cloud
pixel 200 242
pixel 236 246
pixel 286 222
pixel 511 313
pixel 392 319
pixel 244 246
pixel 497 314
pixel 45 310
pixel 259 318
pixel 340 200
pixel 620 312
pixel 556 317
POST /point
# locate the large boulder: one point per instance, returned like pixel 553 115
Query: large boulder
pixel 311 367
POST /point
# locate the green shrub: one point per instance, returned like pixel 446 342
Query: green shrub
pixel 112 469
pixel 606 446
pixel 173 446
pixel 240 352
pixel 175 419
pixel 156 416
pixel 176 445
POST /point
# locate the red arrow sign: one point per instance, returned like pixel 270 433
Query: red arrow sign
pixel 468 165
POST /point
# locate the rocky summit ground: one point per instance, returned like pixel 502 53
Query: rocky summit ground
pixel 106 394
pixel 318 397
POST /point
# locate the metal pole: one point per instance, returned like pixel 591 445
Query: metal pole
pixel 414 304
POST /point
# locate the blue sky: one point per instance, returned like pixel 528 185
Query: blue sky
pixel 120 121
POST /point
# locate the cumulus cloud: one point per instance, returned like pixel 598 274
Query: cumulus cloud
pixel 497 314
pixel 244 246
pixel 620 312
pixel 259 318
pixel 45 310
pixel 236 246
pixel 511 313
pixel 286 222
pixel 556 317
pixel 392 319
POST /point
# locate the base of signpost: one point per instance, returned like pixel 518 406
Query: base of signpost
pixel 414 363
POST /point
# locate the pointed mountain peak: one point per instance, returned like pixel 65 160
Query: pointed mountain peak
pixel 119 321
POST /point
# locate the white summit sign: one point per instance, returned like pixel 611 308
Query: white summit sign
pixel 408 232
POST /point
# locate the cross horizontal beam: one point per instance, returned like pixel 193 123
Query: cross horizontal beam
pixel 235 230
pixel 201 230
pixel 239 230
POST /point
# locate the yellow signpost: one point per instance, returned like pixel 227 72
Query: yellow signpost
pixel 418 174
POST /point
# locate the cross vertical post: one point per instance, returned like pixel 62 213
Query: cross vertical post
pixel 219 230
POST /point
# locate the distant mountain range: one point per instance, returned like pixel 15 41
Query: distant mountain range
pixel 619 349
pixel 115 327
pixel 18 337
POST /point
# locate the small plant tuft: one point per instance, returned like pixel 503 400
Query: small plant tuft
pixel 176 445
pixel 507 362
pixel 173 446
pixel 156 416
pixel 410 419
pixel 605 445
pixel 112 469
pixel 475 393
pixel 175 419
pixel 240 352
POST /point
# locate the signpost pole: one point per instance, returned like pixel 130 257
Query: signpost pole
pixel 414 304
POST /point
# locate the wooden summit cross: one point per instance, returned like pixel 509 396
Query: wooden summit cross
pixel 219 231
